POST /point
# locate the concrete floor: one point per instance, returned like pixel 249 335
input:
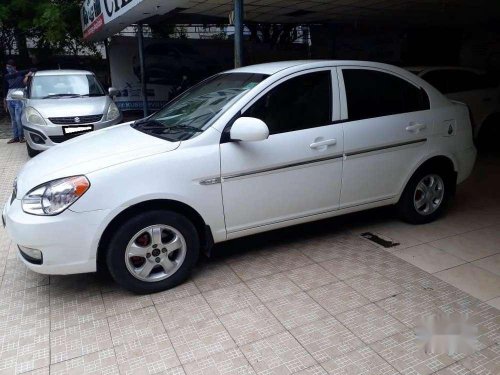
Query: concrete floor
pixel 312 299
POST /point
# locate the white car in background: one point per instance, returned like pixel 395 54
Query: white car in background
pixel 245 151
pixel 479 90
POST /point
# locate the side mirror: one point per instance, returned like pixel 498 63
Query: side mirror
pixel 249 129
pixel 113 92
pixel 17 94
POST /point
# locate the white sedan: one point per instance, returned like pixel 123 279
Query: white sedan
pixel 243 152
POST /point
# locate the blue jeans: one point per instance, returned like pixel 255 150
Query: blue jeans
pixel 15 110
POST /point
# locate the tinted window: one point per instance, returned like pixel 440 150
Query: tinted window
pixel 299 103
pixel 371 93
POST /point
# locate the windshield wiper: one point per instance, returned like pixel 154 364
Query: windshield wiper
pixel 151 124
pixel 61 95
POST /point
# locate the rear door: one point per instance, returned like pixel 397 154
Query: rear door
pixel 386 125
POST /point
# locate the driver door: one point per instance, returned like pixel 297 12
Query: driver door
pixel 294 173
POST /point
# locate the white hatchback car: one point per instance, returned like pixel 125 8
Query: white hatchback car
pixel 245 151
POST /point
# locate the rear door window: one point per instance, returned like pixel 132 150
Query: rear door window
pixel 372 93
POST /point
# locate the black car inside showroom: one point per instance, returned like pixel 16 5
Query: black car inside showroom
pixel 267 187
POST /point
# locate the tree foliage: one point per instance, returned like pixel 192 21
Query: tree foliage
pixel 50 24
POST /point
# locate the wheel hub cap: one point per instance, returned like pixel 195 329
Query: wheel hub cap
pixel 155 253
pixel 428 194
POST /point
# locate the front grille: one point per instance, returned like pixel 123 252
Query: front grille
pixel 73 120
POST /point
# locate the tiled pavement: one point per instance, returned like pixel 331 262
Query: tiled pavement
pixel 314 299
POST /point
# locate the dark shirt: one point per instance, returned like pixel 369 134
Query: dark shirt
pixel 13 81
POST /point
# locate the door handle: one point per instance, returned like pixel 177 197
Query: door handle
pixel 323 144
pixel 415 128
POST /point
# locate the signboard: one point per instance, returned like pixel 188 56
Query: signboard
pixel 91 17
pixel 97 13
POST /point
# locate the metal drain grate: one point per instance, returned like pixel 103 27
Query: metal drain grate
pixel 378 240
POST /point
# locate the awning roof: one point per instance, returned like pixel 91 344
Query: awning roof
pixel 107 17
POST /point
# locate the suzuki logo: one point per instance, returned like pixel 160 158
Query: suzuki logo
pixel 77 119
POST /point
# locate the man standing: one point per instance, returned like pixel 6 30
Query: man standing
pixel 14 80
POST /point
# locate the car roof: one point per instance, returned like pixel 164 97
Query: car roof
pixel 275 67
pixel 61 72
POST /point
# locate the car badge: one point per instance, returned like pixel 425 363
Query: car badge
pixel 77 119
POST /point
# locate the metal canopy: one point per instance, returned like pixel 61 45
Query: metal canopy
pixel 117 14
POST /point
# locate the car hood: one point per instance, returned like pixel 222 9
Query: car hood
pixel 67 107
pixel 91 152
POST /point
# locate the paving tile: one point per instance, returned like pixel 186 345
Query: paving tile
pixel 310 277
pixel 231 361
pixel 76 309
pixel 407 355
pixel 231 298
pixel 279 354
pixel 40 371
pixel 491 264
pixel 251 266
pixel 148 355
pixel 122 301
pixel 251 324
pixel 24 311
pixel 326 339
pixel 313 370
pixel 186 289
pixel 17 277
pixel 473 245
pixel 476 281
pixel 184 311
pixel 362 361
pixel 201 339
pixel 454 369
pixel 345 268
pixel 296 310
pixel 338 297
pixel 484 362
pixel 370 323
pixel 272 287
pixel 134 325
pixel 213 276
pixel 285 258
pixel 102 362
pixel 24 352
pixel 374 286
pixel 495 302
pixel 78 340
pixel 429 258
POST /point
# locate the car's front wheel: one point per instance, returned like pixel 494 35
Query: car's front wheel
pixel 425 196
pixel 153 251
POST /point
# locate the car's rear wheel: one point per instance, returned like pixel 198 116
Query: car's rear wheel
pixel 426 195
pixel 153 251
pixel 31 152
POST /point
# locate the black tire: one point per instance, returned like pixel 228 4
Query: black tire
pixel 406 207
pixel 115 255
pixel 31 152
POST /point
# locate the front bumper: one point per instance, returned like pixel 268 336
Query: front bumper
pixel 50 135
pixel 67 241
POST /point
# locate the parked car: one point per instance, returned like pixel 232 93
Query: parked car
pixel 245 151
pixel 480 91
pixel 62 104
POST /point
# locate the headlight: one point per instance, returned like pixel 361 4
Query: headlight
pixel 34 117
pixel 54 197
pixel 113 112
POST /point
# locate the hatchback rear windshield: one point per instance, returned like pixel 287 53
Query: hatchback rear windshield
pixel 64 86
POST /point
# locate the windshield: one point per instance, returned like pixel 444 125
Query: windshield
pixel 190 113
pixel 64 86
